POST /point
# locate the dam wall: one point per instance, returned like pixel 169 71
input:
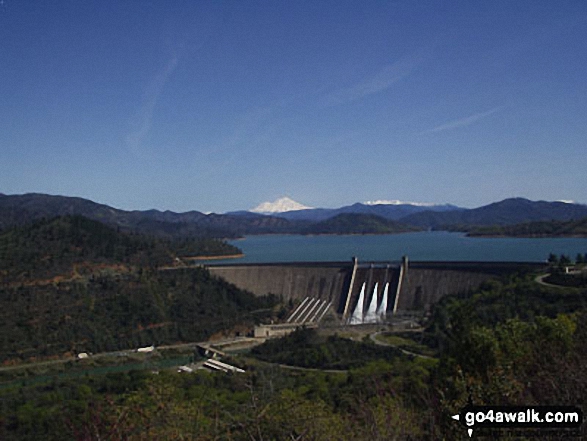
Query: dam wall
pixel 424 283
pixel 413 286
pixel 291 281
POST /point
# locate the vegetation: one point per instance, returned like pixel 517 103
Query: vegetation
pixel 507 212
pixel 571 280
pixel 264 403
pixel 560 274
pixel 510 217
pixel 20 210
pixel 68 245
pixel 306 349
pixel 512 343
pixel 495 348
pixel 73 285
pixel 118 311
pixel 411 342
pixel 351 223
pixel 572 228
pixel 496 302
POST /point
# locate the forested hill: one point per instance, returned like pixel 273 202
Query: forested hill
pixel 25 209
pixel 507 212
pixel 69 244
pixel 73 284
pixel 354 223
pixel 574 228
pixel 111 311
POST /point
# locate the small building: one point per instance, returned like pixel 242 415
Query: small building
pixel 280 329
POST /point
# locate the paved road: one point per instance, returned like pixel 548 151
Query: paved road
pixel 540 279
pixel 373 338
pixel 299 368
pixel 127 352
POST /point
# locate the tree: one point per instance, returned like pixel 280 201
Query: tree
pixel 564 260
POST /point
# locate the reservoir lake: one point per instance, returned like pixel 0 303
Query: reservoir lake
pixel 421 246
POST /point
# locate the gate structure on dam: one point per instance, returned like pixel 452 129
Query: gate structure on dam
pixel 362 292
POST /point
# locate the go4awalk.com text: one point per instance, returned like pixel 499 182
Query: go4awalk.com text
pixel 520 417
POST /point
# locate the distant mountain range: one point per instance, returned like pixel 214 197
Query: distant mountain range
pixel 554 228
pixel 23 209
pixel 386 211
pixel 507 212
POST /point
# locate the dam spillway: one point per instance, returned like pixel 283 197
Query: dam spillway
pixel 413 286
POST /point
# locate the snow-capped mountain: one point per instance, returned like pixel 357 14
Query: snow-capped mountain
pixel 387 211
pixel 281 205
pixel 396 202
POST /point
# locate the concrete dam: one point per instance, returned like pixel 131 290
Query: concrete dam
pixel 384 287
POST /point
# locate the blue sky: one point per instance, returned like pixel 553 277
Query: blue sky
pixel 218 106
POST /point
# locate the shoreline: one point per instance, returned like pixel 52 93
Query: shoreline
pixel 216 257
pixel 533 236
pixel 327 234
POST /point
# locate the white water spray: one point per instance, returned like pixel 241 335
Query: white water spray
pixel 371 315
pixel 382 310
pixel 357 317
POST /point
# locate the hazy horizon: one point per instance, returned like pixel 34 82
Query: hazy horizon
pixel 258 211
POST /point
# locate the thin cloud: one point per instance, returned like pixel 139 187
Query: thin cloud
pixel 380 81
pixel 252 131
pixel 463 122
pixel 144 117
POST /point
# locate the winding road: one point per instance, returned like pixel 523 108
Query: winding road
pixel 373 338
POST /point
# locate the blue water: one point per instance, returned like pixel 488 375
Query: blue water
pixel 422 246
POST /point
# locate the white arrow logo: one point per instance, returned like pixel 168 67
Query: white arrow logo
pixel 457 417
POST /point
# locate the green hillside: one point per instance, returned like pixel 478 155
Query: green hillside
pixel 507 212
pixel 27 208
pixel 73 284
pixel 120 311
pixel 66 245
pixel 573 228
pixel 353 223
